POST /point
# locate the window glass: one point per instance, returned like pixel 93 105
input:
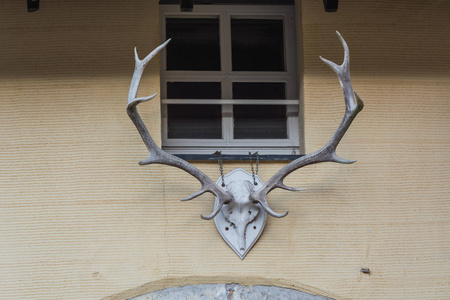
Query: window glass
pixel 195 44
pixel 259 90
pixel 189 121
pixel 257 45
pixel 259 121
pixel 194 90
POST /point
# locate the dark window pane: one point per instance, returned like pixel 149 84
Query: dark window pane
pixel 195 44
pixel 194 121
pixel 257 45
pixel 259 90
pixel 260 122
pixel 193 90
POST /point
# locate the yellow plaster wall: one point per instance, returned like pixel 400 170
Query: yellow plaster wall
pixel 79 219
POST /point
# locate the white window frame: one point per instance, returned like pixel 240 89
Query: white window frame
pixel 226 76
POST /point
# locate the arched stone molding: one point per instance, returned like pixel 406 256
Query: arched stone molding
pixel 206 288
pixel 229 292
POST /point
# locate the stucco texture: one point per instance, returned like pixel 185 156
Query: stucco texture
pixel 79 219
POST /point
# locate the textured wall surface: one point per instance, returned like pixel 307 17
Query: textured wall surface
pixel 79 219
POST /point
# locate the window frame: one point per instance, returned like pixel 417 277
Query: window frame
pixel 226 77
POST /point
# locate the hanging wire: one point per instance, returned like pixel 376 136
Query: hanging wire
pixel 219 160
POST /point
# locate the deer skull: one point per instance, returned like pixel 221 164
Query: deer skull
pixel 241 211
pixel 241 221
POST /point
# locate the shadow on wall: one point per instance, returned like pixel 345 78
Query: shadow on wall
pixel 82 39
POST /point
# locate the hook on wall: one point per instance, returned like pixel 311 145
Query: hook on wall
pixel 330 5
pixel 186 5
pixel 32 5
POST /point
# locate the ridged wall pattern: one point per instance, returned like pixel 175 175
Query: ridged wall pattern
pixel 79 219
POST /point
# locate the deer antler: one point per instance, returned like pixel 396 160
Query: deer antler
pixel 158 156
pixel 328 152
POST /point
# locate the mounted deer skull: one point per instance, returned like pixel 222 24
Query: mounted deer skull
pixel 240 202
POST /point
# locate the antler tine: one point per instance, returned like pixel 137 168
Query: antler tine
pixel 215 211
pixel 138 70
pixel 157 155
pixel 328 152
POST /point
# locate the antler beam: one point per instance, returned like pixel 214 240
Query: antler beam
pixel 328 152
pixel 158 156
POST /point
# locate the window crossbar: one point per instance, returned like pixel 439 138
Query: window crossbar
pixel 231 101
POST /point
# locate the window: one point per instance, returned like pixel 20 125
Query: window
pixel 229 80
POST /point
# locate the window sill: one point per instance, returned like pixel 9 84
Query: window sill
pixel 237 157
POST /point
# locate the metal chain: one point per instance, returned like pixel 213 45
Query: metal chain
pixel 219 160
pixel 251 165
pixel 257 162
